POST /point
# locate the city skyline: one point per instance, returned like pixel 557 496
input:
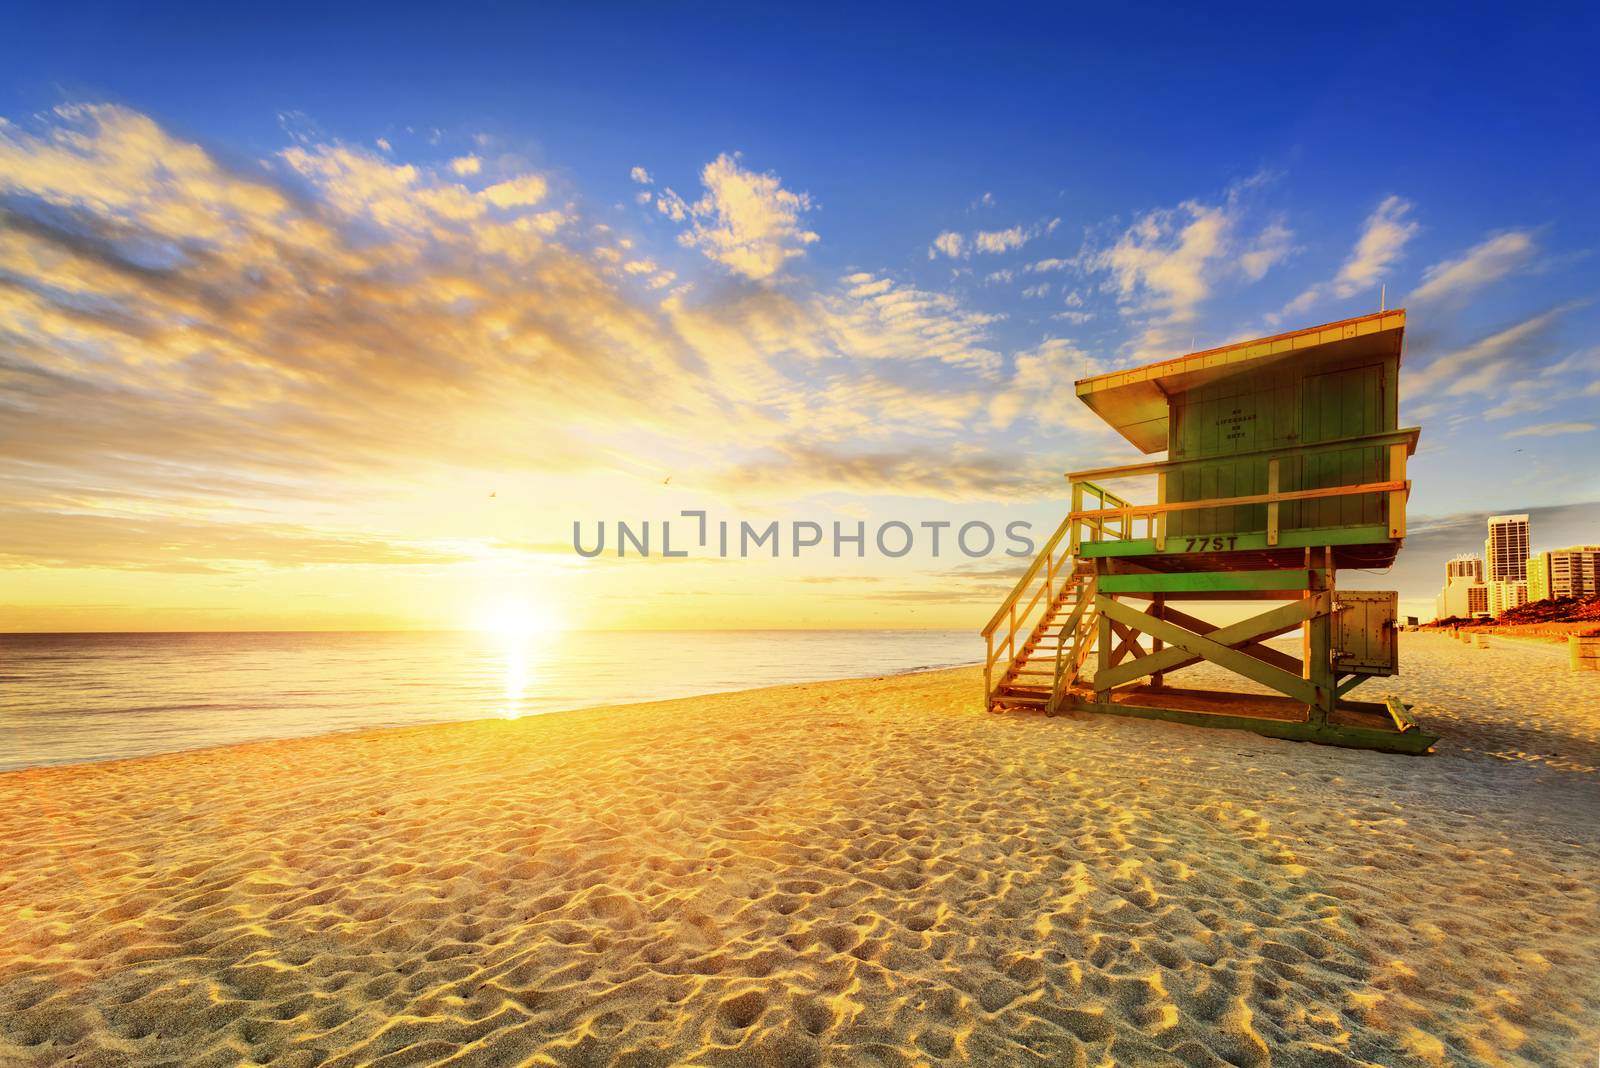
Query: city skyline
pixel 1513 569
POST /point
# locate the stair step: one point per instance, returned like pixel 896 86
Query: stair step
pixel 1027 702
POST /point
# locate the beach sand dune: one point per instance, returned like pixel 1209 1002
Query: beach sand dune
pixel 861 872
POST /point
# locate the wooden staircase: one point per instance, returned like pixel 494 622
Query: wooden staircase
pixel 1048 661
pixel 1044 632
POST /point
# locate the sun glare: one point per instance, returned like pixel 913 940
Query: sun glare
pixel 516 619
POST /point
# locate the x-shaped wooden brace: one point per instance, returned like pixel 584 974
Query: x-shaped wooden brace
pixel 1128 641
pixel 1236 647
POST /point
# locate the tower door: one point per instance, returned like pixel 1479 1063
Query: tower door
pixel 1342 404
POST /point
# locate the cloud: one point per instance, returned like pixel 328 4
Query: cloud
pixel 516 193
pixel 1524 392
pixel 993 241
pixel 1165 265
pixel 1043 389
pixel 1272 246
pixel 950 243
pixel 803 468
pixel 466 165
pixel 1485 365
pixel 954 246
pixel 642 176
pixel 883 319
pixel 187 545
pixel 171 325
pixel 1383 239
pixel 746 221
pixel 1548 430
pixel 1481 265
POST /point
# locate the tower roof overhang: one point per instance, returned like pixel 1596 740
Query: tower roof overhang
pixel 1134 401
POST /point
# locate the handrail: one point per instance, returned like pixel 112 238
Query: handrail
pixel 1096 519
pixel 1027 576
pixel 1073 623
pixel 1406 435
pixel 1137 511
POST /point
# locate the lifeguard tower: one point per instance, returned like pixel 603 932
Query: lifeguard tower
pixel 1285 462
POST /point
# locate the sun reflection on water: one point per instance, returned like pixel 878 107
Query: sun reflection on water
pixel 515 655
pixel 522 629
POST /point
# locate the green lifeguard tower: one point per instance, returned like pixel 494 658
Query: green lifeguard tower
pixel 1285 462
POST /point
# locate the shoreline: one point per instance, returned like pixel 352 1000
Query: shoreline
pixel 349 732
pixel 263 717
pixel 820 873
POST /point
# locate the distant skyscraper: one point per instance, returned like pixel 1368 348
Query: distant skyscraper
pixel 1505 550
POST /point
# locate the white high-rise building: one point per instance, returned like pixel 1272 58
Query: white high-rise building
pixel 1506 595
pixel 1505 550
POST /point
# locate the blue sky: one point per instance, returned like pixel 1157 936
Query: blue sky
pixel 835 218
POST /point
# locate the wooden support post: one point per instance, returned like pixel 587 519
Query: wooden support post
pixel 988 670
pixel 1103 645
pixel 1073 539
pixel 1158 606
pixel 1161 517
pixel 1318 667
pixel 1305 631
pixel 1397 498
pixel 1272 507
pixel 1011 638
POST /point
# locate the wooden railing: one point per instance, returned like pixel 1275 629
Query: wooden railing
pixel 1043 578
pixel 1116 517
pixel 1081 625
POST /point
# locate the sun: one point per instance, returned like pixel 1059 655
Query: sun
pixel 515 618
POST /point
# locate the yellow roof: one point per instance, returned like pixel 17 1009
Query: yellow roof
pixel 1134 401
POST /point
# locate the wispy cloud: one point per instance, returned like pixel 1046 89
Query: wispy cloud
pixel 1170 261
pixel 1479 266
pixel 954 245
pixel 1485 365
pixel 1549 430
pixel 1384 236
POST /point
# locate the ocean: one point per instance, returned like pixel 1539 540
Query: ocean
pixel 66 698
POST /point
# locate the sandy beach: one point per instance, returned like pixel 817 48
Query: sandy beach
pixel 860 872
